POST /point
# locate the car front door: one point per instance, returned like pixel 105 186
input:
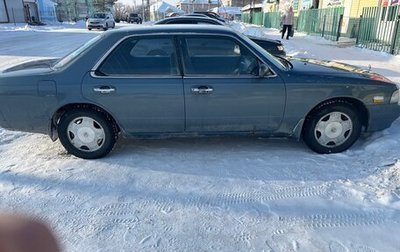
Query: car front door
pixel 223 91
pixel 140 85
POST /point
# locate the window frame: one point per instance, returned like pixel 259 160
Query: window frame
pixel 176 36
pixel 184 51
pixel 95 69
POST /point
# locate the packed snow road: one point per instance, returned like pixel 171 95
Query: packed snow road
pixel 223 194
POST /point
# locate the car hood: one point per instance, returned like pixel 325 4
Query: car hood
pixel 325 67
pixel 36 64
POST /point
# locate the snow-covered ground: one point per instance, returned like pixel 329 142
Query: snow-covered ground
pixel 223 194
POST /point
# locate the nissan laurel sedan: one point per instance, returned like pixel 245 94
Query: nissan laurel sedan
pixel 191 80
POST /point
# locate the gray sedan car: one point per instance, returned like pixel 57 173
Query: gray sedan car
pixel 191 81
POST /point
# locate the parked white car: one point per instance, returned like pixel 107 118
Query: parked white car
pixel 100 21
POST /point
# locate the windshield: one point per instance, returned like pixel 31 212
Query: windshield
pixel 99 15
pixel 70 57
pixel 270 57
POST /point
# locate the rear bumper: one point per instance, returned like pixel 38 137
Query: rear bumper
pixel 382 116
pixel 279 53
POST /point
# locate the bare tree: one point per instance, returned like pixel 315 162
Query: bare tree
pixel 120 11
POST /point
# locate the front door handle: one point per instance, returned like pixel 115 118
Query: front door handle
pixel 104 89
pixel 202 90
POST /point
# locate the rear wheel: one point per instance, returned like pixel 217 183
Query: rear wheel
pixel 86 133
pixel 332 128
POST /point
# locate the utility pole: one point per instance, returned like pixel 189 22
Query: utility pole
pixel 148 10
pixel 143 10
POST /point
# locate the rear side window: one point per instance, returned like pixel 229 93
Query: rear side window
pixel 146 56
pixel 218 56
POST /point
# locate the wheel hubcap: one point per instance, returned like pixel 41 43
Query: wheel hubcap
pixel 86 134
pixel 333 129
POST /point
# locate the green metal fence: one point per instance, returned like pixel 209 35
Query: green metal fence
pixel 246 18
pixel 253 17
pixel 272 20
pixel 379 29
pixel 323 22
pixel 258 18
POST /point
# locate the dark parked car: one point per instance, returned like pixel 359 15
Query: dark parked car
pixel 134 18
pixel 192 80
pixel 211 14
pixel 189 20
pixel 274 47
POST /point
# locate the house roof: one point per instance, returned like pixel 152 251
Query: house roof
pixel 198 1
pixel 164 7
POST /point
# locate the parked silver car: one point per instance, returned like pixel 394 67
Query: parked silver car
pixel 192 80
pixel 100 21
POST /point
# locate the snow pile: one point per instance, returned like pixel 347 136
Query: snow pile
pixel 48 27
pixel 382 187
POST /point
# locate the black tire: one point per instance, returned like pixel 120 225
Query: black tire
pixel 350 126
pixel 101 123
pixel 113 26
pixel 106 28
pixel 89 29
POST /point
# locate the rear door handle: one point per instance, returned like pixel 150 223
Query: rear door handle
pixel 104 89
pixel 202 90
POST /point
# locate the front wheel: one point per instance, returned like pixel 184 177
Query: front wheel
pixel 86 133
pixel 332 128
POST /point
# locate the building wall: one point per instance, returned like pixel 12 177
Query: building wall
pixel 353 8
pixel 47 11
pixel 3 12
pixel 10 10
pixel 358 5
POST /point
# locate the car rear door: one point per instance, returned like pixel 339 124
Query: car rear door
pixel 223 92
pixel 139 83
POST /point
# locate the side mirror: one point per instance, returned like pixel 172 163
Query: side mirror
pixel 107 17
pixel 263 70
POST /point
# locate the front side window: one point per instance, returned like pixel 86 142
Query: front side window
pixel 144 56
pixel 218 56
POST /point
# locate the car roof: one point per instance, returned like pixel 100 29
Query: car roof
pixel 172 28
pixel 193 18
pixel 196 15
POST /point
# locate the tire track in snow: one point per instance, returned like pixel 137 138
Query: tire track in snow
pixel 131 214
pixel 316 221
pixel 280 194
pixel 124 210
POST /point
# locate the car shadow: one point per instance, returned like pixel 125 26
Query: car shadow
pixel 245 158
